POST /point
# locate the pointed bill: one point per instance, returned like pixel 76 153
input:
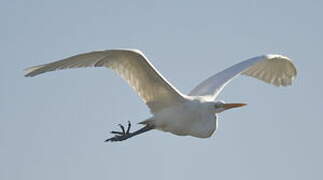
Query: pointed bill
pixel 233 105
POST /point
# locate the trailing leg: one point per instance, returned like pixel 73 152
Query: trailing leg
pixel 123 135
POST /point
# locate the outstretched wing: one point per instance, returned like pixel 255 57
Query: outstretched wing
pixel 132 66
pixel 274 69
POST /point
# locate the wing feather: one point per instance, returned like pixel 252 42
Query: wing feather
pixel 132 66
pixel 274 69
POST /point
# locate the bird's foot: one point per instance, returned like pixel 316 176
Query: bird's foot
pixel 121 135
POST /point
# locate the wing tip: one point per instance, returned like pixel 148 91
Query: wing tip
pixel 285 79
pixel 288 60
pixel 31 71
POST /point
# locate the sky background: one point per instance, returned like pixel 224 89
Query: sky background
pixel 53 126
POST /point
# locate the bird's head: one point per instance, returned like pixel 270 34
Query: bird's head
pixel 222 106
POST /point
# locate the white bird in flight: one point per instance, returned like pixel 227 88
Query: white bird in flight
pixel 194 114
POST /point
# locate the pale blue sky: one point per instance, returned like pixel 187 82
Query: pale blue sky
pixel 53 126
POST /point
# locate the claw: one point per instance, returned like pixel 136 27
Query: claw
pixel 129 126
pixel 116 132
pixel 122 128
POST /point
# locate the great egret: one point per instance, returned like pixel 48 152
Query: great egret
pixel 194 114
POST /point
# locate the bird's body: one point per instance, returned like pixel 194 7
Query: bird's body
pixel 194 117
pixel 194 114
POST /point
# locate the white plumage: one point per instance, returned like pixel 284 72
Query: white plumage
pixel 132 66
pixel 193 114
pixel 274 69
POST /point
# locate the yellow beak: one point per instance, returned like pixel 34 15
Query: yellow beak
pixel 233 105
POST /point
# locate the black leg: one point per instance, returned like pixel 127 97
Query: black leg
pixel 123 135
